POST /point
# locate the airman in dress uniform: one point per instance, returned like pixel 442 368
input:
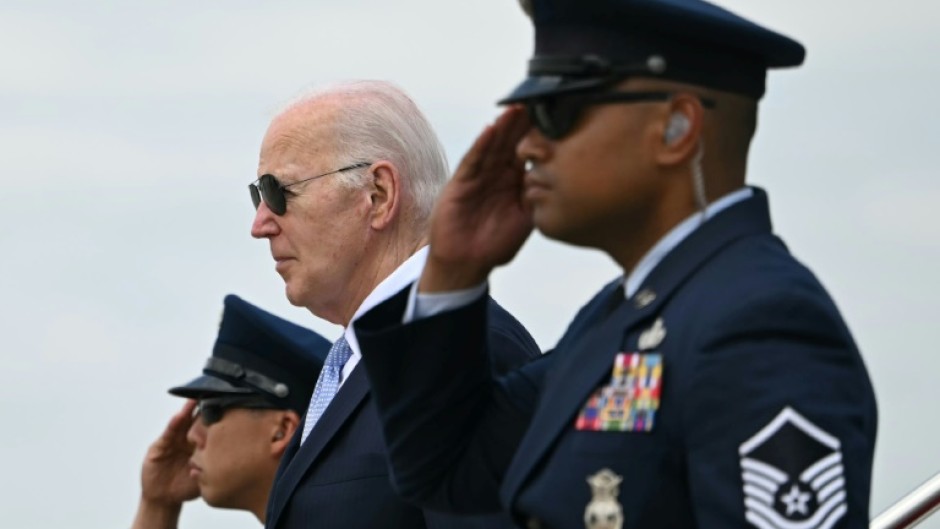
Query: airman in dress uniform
pixel 713 385
pixel 226 442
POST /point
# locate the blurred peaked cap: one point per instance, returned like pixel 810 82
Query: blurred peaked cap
pixel 586 44
pixel 258 353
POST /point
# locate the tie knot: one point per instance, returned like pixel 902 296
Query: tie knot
pixel 339 354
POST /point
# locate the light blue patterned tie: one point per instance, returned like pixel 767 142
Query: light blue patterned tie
pixel 327 383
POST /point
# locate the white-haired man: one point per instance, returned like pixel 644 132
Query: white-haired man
pixel 347 179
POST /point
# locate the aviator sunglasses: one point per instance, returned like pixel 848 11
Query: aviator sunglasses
pixel 555 116
pixel 211 411
pixel 274 193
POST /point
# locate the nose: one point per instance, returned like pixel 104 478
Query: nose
pixel 197 433
pixel 534 146
pixel 265 223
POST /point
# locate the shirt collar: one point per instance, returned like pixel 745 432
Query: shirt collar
pixel 676 235
pixel 406 273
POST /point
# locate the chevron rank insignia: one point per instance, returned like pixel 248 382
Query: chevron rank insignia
pixel 793 475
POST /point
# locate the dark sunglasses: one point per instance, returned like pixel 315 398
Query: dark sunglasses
pixel 272 192
pixel 211 411
pixel 556 116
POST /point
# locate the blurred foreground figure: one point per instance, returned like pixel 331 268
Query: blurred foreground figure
pixel 347 179
pixel 225 445
pixel 713 385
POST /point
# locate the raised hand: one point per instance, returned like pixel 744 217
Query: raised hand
pixel 480 221
pixel 165 479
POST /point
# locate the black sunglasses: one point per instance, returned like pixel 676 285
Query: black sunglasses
pixel 556 116
pixel 267 188
pixel 211 411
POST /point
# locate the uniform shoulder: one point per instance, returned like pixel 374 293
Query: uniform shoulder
pixel 758 286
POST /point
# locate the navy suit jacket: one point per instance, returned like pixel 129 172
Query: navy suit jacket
pixel 339 477
pixel 764 413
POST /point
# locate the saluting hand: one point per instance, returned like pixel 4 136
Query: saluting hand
pixel 480 220
pixel 165 479
pixel 165 476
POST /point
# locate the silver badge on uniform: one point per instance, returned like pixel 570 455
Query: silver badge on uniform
pixel 643 298
pixel 604 511
pixel 652 337
pixel 793 475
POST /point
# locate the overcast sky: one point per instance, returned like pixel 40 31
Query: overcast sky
pixel 129 131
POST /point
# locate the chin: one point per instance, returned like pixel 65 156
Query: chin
pixel 209 495
pixel 548 226
pixel 560 232
pixel 293 296
pixel 218 499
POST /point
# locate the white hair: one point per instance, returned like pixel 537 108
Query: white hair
pixel 376 121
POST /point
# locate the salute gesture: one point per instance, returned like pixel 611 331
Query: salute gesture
pixel 480 220
pixel 165 479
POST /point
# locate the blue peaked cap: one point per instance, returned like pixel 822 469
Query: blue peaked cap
pixel 584 44
pixel 258 353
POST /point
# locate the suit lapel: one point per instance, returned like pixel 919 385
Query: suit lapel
pixel 586 360
pixel 292 471
pixel 583 364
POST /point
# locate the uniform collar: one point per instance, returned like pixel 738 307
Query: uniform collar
pixel 676 235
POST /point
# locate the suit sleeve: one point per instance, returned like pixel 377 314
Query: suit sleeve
pixel 450 428
pixel 780 416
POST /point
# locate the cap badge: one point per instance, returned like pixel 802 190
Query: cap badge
pixel 604 511
pixel 652 337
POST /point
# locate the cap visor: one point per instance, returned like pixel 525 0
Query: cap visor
pixel 538 86
pixel 206 386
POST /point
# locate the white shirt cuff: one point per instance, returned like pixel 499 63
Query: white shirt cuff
pixel 425 305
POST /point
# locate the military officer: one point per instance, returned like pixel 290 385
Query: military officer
pixel 226 443
pixel 713 385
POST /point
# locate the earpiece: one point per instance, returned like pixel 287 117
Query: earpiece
pixel 278 435
pixel 677 127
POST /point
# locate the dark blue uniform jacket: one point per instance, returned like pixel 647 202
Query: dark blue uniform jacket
pixel 764 413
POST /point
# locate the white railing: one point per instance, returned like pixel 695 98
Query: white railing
pixel 911 509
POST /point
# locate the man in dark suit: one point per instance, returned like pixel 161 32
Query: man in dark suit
pixel 347 179
pixel 714 385
pixel 226 443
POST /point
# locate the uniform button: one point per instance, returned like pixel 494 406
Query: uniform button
pixel 644 298
pixel 534 523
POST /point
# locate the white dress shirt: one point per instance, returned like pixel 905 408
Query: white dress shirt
pixel 406 273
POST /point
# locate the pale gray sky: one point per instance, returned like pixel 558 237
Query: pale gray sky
pixel 129 132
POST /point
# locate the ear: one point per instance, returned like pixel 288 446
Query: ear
pixel 287 424
pixel 385 194
pixel 681 130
